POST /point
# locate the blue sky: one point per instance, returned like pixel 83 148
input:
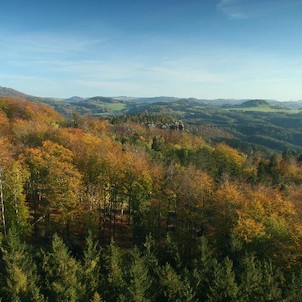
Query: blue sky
pixel 186 48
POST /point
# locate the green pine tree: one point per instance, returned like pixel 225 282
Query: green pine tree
pixel 91 267
pixel 272 282
pixel 16 209
pixel 140 280
pixel 223 286
pixel 62 273
pixel 115 288
pixel 21 278
pixel 173 288
pixel 170 253
pixel 251 278
pixel 293 292
pixel 203 269
pixel 96 298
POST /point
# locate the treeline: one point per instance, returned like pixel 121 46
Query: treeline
pixel 126 181
pixel 152 273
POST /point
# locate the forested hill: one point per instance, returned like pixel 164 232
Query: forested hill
pixel 255 103
pixel 250 125
pixel 167 216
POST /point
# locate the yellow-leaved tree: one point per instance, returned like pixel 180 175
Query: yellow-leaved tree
pixel 55 180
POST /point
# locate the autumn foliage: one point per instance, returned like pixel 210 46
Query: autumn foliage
pixel 123 182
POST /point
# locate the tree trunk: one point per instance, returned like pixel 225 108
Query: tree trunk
pixel 2 203
pixel 114 213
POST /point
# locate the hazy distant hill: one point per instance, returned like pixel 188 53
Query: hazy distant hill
pixel 289 104
pixel 104 99
pixel 74 99
pixel 9 92
pixel 254 103
pixel 246 124
pixel 148 100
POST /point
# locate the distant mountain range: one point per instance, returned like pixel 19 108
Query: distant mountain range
pixel 249 125
pixel 104 105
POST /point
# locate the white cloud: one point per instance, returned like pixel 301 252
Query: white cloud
pixel 244 9
pixel 15 47
pixel 234 9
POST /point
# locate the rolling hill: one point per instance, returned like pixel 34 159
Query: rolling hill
pixel 254 103
pixel 246 124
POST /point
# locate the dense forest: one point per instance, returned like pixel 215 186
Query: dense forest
pixel 138 208
pixel 247 125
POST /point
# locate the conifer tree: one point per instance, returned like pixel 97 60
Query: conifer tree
pixel 250 279
pixel 91 267
pixel 140 280
pixel 96 298
pixel 293 292
pixel 170 253
pixel 115 283
pixel 203 269
pixel 22 282
pixel 16 210
pixel 172 287
pixel 223 286
pixel 272 282
pixel 274 169
pixel 152 264
pixel 62 273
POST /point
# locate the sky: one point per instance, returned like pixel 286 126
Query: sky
pixel 206 49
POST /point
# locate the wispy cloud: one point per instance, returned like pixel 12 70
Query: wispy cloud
pixel 85 66
pixel 244 9
pixel 61 65
pixel 46 45
pixel 234 9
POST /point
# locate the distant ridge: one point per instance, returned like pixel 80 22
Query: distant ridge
pixel 9 92
pixel 216 103
pixel 75 99
pixel 104 99
pixel 254 103
pixel 151 100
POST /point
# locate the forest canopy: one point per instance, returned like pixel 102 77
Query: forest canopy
pixel 124 209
